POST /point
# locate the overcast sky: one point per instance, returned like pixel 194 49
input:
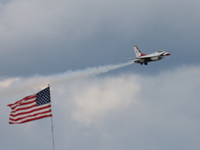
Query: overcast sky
pixel 99 101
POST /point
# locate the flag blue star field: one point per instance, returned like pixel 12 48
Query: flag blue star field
pixel 31 108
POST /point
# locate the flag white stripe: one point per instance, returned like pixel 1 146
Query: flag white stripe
pixel 34 106
pixel 25 106
pixel 32 113
pixel 30 109
pixel 22 102
pixel 27 118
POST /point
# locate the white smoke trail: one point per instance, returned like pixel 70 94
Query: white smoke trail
pixel 86 73
pixel 19 85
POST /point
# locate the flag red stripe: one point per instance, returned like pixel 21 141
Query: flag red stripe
pixel 23 105
pixel 30 119
pixel 26 103
pixel 24 108
pixel 15 114
pixel 33 115
pixel 20 101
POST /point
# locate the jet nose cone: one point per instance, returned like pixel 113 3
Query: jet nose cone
pixel 167 54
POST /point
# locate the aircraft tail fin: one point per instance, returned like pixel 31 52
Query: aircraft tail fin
pixel 138 53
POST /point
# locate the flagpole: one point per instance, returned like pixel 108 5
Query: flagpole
pixel 52 126
pixel 52 132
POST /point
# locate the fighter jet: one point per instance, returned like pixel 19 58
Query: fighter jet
pixel 145 58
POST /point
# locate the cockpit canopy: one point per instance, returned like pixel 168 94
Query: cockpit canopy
pixel 160 51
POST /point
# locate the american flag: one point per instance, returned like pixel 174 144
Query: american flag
pixel 31 108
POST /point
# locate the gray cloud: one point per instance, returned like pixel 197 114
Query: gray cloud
pixel 135 107
pixel 115 112
pixel 54 37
